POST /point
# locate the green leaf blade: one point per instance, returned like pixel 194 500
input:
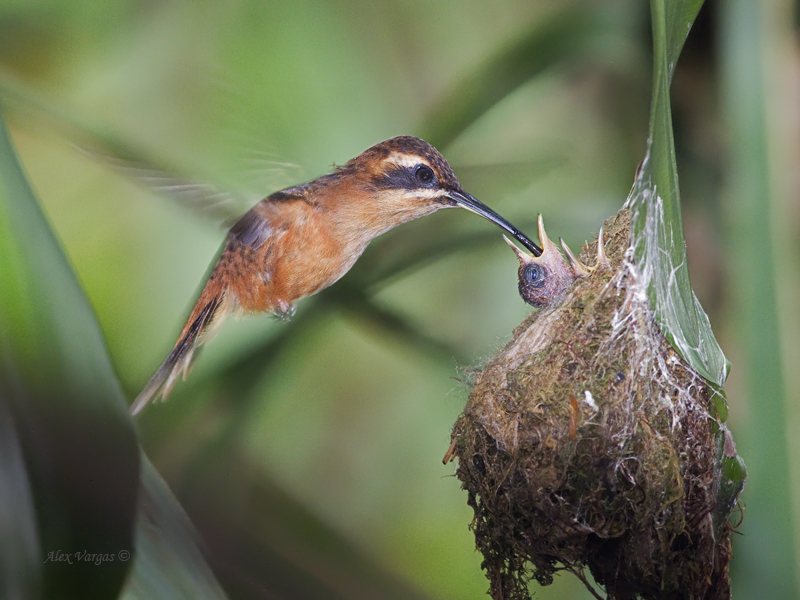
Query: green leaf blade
pixel 75 439
pixel 657 233
pixel 657 237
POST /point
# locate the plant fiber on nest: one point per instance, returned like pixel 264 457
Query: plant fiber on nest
pixel 588 443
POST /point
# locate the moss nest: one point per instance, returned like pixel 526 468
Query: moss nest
pixel 587 443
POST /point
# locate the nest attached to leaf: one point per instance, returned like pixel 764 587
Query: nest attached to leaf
pixel 587 443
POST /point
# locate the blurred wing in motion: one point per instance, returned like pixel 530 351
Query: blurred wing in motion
pixel 210 201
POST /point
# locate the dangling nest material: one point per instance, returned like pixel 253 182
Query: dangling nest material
pixel 588 443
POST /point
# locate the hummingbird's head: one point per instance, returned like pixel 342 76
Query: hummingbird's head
pixel 544 280
pixel 409 178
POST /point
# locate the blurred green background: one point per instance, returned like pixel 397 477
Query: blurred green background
pixel 308 454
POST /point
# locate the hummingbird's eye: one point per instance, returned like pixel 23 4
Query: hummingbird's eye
pixel 424 175
pixel 534 274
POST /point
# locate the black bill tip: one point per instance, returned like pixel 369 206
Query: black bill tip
pixel 464 200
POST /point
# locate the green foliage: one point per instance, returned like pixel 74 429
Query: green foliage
pixel 761 213
pixel 71 451
pixel 655 201
pixel 660 246
pixel 168 562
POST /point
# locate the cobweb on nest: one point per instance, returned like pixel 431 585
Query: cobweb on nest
pixel 659 251
pixel 659 378
pixel 656 261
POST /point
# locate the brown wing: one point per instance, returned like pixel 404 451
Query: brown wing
pixel 244 278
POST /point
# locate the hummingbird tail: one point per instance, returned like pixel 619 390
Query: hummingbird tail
pixel 210 309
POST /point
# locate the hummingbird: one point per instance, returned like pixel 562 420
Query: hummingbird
pixel 303 239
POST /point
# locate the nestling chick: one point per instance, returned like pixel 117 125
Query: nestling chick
pixel 545 280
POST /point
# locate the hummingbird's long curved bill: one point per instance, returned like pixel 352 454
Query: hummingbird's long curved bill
pixel 479 208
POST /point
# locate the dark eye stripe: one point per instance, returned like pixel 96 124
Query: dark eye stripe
pixel 401 178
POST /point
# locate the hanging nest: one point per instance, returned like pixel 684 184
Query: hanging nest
pixel 587 442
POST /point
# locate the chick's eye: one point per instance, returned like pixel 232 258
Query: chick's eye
pixel 424 175
pixel 534 275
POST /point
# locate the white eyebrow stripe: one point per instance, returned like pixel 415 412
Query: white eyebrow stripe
pixel 406 160
pixel 425 193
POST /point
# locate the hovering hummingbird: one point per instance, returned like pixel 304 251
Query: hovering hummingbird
pixel 302 239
